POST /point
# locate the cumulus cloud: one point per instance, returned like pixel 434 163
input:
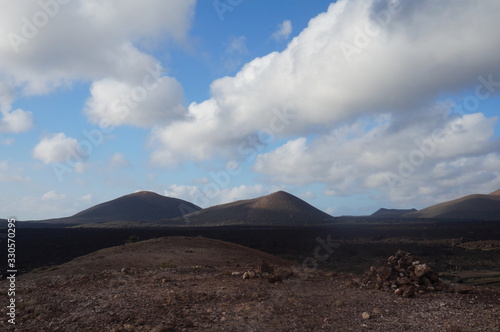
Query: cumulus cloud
pixel 35 54
pixel 410 164
pixel 204 196
pixel 106 39
pixel 117 103
pixel 356 60
pixel 16 121
pixel 57 148
pixel 284 31
pixel 12 121
pixel 118 160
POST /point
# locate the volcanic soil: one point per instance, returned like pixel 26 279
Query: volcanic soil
pixel 197 284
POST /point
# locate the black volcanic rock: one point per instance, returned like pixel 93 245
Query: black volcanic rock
pixel 279 208
pixel 392 213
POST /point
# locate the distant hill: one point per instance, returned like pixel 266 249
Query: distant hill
pixel 144 206
pixel 391 213
pixel 477 206
pixel 496 193
pixel 279 208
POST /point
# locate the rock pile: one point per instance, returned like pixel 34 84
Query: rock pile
pixel 266 271
pixel 406 275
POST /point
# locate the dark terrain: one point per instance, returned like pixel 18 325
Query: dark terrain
pixel 199 284
pixel 450 246
pixel 290 268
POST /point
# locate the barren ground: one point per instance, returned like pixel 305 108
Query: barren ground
pixel 196 284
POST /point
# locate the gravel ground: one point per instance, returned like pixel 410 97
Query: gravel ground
pixel 196 284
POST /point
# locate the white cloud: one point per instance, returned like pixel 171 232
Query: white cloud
pixel 181 191
pixel 237 45
pixel 16 121
pixel 119 161
pixel 52 195
pixel 202 195
pixel 48 205
pixel 157 101
pixel 87 198
pixel 105 31
pixel 10 173
pixel 325 87
pixel 12 121
pixel 58 148
pixel 106 38
pixel 284 31
pixel 404 163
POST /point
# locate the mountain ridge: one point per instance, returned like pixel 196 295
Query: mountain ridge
pixel 474 206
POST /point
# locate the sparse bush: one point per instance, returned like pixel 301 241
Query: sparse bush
pixel 167 265
pixel 133 238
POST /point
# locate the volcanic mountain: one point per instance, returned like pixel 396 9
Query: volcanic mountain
pixel 143 206
pixel 278 209
pixel 477 206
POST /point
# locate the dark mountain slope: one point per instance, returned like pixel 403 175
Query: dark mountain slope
pixel 477 206
pixel 279 208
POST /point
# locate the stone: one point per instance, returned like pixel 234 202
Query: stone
pixel 273 278
pixel 462 289
pixel 384 272
pixel 403 281
pixel 421 269
pixel 264 267
pixel 404 274
pixel 338 303
pixel 408 291
pixel 365 315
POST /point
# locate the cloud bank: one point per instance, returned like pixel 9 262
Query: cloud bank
pixel 364 82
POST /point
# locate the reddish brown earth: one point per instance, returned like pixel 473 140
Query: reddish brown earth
pixel 196 284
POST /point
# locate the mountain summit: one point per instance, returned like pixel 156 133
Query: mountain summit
pixel 142 206
pixel 279 209
pixel 139 206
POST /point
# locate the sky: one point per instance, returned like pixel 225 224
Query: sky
pixel 350 105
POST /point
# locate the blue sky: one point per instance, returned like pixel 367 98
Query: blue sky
pixel 352 105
